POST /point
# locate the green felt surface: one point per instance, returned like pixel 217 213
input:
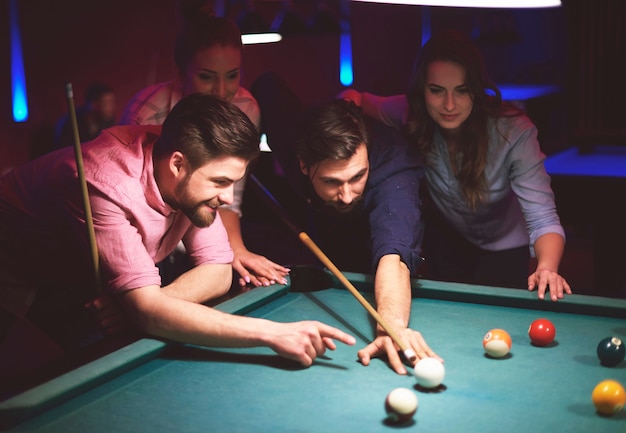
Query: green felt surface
pixel 194 389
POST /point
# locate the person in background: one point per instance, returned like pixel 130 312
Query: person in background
pixel 97 113
pixel 149 188
pixel 489 204
pixel 357 182
pixel 207 55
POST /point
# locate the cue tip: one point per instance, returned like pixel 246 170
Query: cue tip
pixel 68 90
pixel 410 355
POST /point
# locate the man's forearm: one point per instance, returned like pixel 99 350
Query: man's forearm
pixel 393 291
pixel 201 283
pixel 231 222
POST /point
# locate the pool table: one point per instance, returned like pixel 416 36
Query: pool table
pixel 154 386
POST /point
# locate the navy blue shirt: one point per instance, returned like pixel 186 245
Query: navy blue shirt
pixel 386 221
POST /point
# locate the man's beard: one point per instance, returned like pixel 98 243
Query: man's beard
pixel 314 197
pixel 195 211
pixel 346 209
pixel 196 215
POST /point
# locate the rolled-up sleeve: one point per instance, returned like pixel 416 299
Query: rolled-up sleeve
pixel 393 201
pixel 209 245
pixel 531 184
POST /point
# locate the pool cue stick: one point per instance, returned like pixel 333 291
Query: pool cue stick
pixel 408 353
pixel 83 184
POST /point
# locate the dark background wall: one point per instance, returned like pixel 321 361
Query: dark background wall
pixel 128 44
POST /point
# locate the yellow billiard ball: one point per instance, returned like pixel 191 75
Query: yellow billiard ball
pixel 608 397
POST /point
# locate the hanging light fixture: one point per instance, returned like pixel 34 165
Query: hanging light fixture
pixel 260 38
pixel 474 3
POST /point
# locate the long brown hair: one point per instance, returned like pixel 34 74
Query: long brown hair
pixel 454 46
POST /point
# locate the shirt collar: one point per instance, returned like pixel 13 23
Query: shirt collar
pixel 151 189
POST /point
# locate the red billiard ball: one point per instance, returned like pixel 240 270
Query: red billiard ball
pixel 611 351
pixel 497 343
pixel 541 332
pixel 608 397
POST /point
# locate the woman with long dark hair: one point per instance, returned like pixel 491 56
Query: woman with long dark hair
pixel 488 201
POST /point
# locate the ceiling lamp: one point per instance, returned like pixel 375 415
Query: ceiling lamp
pixel 474 3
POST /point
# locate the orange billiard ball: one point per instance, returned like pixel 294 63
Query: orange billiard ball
pixel 541 332
pixel 608 397
pixel 497 343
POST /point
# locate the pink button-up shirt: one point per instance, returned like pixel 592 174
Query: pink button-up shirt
pixel 150 106
pixel 41 206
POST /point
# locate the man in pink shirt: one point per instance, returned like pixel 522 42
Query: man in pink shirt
pixel 149 187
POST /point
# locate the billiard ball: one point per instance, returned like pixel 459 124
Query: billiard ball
pixel 497 343
pixel 400 405
pixel 429 372
pixel 611 351
pixel 541 332
pixel 608 397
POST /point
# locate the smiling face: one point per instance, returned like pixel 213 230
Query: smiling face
pixel 340 183
pixel 215 71
pixel 199 193
pixel 447 98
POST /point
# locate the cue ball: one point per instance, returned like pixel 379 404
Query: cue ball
pixel 541 332
pixel 497 343
pixel 400 405
pixel 608 397
pixel 429 372
pixel 611 351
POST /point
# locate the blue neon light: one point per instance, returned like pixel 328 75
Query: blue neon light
pixel 605 161
pixel 18 78
pixel 426 30
pixel 346 76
